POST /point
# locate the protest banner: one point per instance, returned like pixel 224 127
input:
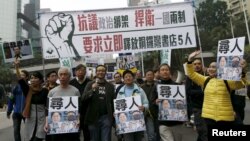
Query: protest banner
pixel 122 30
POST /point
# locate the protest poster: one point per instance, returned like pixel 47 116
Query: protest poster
pixel 121 30
pixel 173 105
pixel 229 55
pixel 20 50
pixel 126 62
pixel 63 115
pixel 128 118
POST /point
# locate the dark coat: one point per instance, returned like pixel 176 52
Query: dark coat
pixel 91 97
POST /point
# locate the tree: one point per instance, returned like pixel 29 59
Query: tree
pixel 210 15
pixel 239 26
pixel 6 76
pixel 213 21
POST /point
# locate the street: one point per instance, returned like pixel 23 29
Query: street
pixel 6 130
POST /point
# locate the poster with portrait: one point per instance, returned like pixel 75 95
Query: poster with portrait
pixel 229 56
pixel 126 62
pixel 17 49
pixel 128 118
pixel 173 105
pixel 63 115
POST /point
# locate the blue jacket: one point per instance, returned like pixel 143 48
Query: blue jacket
pixel 16 101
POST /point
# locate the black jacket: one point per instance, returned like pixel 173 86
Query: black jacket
pixel 195 94
pixel 154 96
pixel 148 90
pixel 90 96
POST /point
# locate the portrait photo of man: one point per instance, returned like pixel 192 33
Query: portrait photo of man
pixel 20 50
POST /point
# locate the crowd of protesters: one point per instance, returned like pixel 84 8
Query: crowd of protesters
pixel 96 101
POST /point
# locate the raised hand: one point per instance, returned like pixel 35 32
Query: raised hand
pixel 193 55
pixel 59 32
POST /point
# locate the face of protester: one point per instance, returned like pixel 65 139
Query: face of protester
pixel 56 117
pixel 165 72
pixel 64 77
pixel 157 76
pixel 17 51
pixel 23 76
pixel 138 74
pixel 35 81
pixel 165 105
pixel 197 65
pixel 52 78
pixel 150 76
pixel 243 63
pixel 80 73
pixel 117 78
pixel 128 79
pixel 212 70
pixel 223 62
pixel 100 72
pixel 122 117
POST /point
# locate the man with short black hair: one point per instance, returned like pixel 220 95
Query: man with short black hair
pixel 80 82
pixel 99 94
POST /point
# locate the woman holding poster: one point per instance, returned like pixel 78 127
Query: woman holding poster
pixel 34 109
pixel 217 109
pixel 128 90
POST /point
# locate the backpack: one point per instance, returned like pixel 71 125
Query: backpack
pixel 208 79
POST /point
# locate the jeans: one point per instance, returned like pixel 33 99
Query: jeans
pixel 200 124
pixel 65 137
pixel 101 131
pixel 150 133
pixel 17 120
pixel 170 133
pixel 136 136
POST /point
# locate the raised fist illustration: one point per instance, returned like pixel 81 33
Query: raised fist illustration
pixel 59 32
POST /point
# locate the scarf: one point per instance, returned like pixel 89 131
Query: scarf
pixel 26 111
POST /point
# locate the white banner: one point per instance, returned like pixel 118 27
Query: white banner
pixel 173 105
pixel 84 33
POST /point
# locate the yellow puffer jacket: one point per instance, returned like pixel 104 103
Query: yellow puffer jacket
pixel 217 101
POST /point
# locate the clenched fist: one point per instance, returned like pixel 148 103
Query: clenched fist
pixel 59 32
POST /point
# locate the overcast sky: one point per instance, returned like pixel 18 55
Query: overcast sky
pixel 69 5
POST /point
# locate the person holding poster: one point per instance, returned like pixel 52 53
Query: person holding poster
pixel 16 104
pixel 99 94
pixel 128 90
pixel 168 130
pixel 35 102
pixel 217 112
pixel 64 89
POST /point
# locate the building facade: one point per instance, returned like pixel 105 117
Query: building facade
pixel 236 7
pixel 8 16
